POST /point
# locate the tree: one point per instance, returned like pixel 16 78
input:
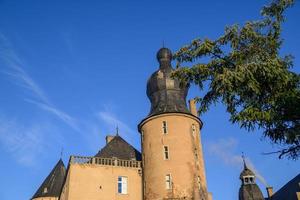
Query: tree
pixel 246 73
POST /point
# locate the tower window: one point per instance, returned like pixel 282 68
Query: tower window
pixel 142 136
pixel 166 152
pixel 251 180
pixel 164 127
pixel 168 182
pixel 122 185
pixel 194 130
pixel 199 182
pixel 196 154
pixel 246 180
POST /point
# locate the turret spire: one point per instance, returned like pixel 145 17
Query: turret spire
pixel 244 161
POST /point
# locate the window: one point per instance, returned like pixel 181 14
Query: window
pixel 164 126
pixel 45 190
pixel 168 182
pixel 142 136
pixel 251 180
pixel 196 153
pixel 166 152
pixel 194 130
pixel 122 185
pixel 199 182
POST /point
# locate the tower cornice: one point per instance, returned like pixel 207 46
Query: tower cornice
pixel 169 114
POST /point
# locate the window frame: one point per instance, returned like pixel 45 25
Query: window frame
pixel 166 152
pixel 194 130
pixel 122 185
pixel 199 182
pixel 168 182
pixel 164 127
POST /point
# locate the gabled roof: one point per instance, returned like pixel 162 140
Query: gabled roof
pixel 288 191
pixel 52 185
pixel 119 148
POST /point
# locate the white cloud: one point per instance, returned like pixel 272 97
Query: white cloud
pixel 67 119
pixel 223 149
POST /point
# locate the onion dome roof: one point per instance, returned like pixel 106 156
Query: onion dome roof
pixel 166 94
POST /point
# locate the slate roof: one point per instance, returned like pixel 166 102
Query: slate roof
pixel 119 148
pixel 246 172
pixel 288 191
pixel 167 94
pixel 53 182
pixel 249 191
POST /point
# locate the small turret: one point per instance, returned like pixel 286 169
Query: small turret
pixel 249 189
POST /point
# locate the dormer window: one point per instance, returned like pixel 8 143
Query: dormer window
pixel 45 190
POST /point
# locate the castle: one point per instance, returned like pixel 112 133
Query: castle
pixel 170 166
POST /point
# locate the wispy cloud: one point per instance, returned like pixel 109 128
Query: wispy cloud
pixel 113 121
pixel 25 143
pixel 14 69
pixel 67 119
pixel 224 149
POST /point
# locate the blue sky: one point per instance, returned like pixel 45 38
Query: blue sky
pixel 70 71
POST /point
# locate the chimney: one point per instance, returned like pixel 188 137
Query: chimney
pixel 270 192
pixel 109 138
pixel 193 108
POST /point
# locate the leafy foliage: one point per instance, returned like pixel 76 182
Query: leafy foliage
pixel 248 75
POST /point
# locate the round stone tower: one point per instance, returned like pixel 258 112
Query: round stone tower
pixel 173 166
